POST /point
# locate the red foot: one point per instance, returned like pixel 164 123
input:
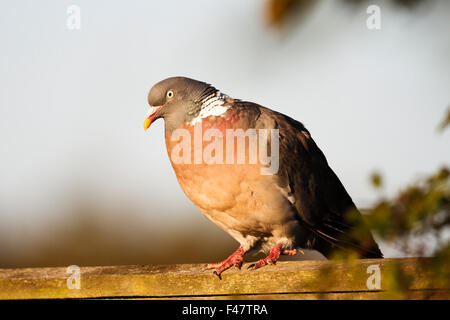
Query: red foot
pixel 236 259
pixel 273 256
pixel 290 252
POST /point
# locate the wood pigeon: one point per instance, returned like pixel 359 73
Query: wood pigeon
pixel 300 203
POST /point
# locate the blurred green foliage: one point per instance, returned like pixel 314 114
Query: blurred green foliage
pixel 417 216
pixel 414 220
pixel 419 208
pixel 376 180
pixel 446 122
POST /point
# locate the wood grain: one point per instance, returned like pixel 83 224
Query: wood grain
pixel 285 280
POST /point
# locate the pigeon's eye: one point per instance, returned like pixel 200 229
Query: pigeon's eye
pixel 170 94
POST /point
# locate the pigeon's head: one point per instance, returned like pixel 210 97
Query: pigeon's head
pixel 177 100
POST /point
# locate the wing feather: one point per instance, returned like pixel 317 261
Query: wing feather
pixel 321 201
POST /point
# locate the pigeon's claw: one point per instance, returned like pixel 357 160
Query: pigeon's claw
pixel 273 256
pixel 261 263
pixel 291 252
pixel 236 259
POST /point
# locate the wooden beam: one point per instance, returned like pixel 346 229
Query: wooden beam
pixel 285 280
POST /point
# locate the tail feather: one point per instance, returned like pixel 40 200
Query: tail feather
pixel 332 236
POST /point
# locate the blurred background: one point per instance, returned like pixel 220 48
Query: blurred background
pixel 82 183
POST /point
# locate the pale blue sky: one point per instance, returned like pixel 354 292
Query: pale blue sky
pixel 73 102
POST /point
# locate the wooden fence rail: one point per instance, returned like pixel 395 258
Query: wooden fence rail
pixel 360 279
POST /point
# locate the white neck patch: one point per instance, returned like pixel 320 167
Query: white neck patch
pixel 212 105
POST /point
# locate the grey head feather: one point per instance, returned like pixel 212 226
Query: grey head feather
pixel 184 105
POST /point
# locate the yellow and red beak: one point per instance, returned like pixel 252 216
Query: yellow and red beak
pixel 151 115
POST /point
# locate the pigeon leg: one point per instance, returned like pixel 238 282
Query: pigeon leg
pixel 236 259
pixel 292 252
pixel 273 256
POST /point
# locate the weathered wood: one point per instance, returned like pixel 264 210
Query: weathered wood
pixel 285 280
